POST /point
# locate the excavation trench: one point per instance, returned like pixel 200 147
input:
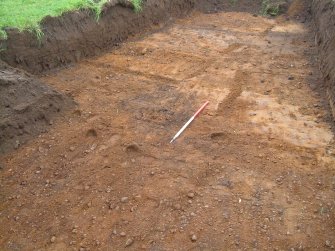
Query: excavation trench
pixel 254 171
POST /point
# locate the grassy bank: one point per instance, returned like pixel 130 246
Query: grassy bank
pixel 27 14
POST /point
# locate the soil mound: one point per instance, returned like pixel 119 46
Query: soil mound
pixel 27 106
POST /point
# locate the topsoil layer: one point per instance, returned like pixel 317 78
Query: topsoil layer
pixel 324 16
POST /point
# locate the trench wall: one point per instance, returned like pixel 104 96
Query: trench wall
pixel 324 17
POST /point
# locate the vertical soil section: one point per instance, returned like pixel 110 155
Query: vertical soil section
pixel 324 16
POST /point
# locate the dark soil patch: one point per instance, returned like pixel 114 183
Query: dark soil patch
pixel 27 107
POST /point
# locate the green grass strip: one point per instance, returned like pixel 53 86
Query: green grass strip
pixel 27 14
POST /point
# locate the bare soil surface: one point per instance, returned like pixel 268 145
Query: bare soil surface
pixel 256 171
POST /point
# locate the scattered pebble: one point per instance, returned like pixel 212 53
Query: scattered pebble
pixel 194 238
pixel 53 239
pixel 190 195
pixel 124 199
pixel 129 242
pixel 290 78
pixel 122 234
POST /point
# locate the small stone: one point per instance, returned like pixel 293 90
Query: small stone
pixel 123 234
pixel 290 78
pixel 129 242
pixel 194 238
pixel 72 148
pixel 124 199
pixel 190 195
pixel 226 183
pixel 327 243
pixel 53 239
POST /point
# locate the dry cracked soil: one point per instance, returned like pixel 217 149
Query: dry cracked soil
pixel 255 171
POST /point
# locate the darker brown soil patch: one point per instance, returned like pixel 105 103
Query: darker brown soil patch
pixel 27 107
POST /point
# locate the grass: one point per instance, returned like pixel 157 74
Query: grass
pixel 269 8
pixel 27 14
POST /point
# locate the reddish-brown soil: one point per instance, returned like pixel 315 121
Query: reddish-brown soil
pixel 256 171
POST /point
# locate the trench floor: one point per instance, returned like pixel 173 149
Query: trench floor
pixel 255 171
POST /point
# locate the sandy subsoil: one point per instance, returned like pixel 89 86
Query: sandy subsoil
pixel 256 171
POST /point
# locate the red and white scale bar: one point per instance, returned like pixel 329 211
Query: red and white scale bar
pixel 190 121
